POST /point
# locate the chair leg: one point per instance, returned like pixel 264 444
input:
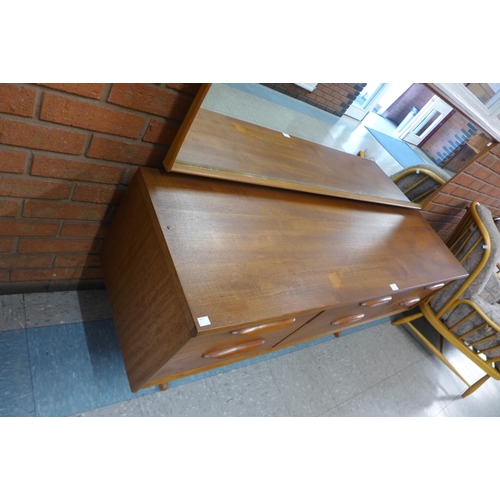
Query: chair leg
pixel 475 386
pixel 406 319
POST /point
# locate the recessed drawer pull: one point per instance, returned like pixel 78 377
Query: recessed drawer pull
pixel 435 287
pixel 348 319
pixel 410 302
pixel 269 327
pixel 376 302
pixel 237 349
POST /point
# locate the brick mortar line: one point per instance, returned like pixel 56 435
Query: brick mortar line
pixel 29 163
pixel 87 144
pixel 447 206
pixel 144 130
pixel 180 92
pixel 73 182
pixel 63 156
pixel 38 103
pixel 103 102
pixel 69 128
pixel 106 93
pixel 130 140
pixel 89 159
pixel 72 191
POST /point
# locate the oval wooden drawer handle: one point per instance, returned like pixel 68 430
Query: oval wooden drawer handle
pixel 237 349
pixel 410 302
pixel 376 302
pixel 435 287
pixel 348 319
pixel 264 328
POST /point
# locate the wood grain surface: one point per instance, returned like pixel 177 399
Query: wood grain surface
pixel 227 148
pixel 150 312
pixel 243 252
pixel 196 266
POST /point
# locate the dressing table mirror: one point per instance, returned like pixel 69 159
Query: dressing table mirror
pixel 222 138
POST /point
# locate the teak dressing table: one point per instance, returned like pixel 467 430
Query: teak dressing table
pixel 202 272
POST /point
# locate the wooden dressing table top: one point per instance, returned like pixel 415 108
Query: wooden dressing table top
pixel 243 251
pixel 227 148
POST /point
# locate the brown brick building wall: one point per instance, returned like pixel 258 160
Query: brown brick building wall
pixel 417 96
pixel 67 154
pixel 455 131
pixel 478 181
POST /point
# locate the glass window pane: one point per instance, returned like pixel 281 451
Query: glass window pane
pixel 429 120
pixel 487 93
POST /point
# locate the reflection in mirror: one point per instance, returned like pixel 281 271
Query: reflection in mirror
pixel 256 148
pixel 488 94
pixel 400 126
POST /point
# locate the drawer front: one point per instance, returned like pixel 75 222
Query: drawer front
pixel 209 351
pixel 343 318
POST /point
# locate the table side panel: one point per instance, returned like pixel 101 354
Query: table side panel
pixel 150 312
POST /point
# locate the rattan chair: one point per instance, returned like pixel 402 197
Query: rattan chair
pixel 467 312
pixel 420 181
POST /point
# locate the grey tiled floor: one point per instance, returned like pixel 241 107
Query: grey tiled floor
pixel 382 370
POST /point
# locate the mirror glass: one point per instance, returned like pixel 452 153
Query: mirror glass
pixel 428 134
pixel 488 94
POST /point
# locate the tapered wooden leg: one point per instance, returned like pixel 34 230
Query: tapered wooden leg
pixel 163 387
pixel 475 386
pixel 337 334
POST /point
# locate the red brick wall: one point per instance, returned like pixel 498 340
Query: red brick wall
pixel 417 95
pixel 449 137
pixel 331 97
pixel 67 153
pixel 478 181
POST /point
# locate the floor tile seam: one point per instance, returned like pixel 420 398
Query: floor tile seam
pixel 140 399
pixel 371 387
pixel 326 380
pixel 283 397
pixel 31 373
pixel 213 388
pixel 446 405
pixel 67 324
pixel 107 406
pixel 321 414
pixel 321 374
pixel 363 392
pixel 413 363
pixel 439 411
pixel 25 322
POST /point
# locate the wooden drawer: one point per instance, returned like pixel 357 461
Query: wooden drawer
pixel 338 319
pixel 209 351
